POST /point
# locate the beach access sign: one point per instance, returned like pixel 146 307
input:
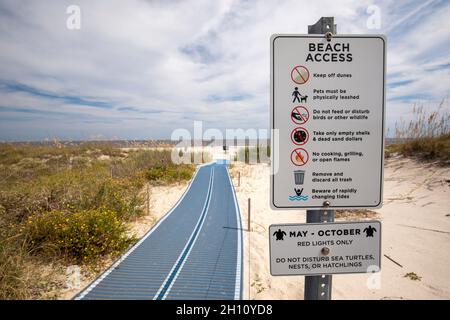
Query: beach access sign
pixel 325 248
pixel 327 116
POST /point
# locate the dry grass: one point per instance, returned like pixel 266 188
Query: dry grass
pixel 426 137
pixel 413 276
pixel 14 279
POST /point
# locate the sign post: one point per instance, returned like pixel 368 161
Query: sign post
pixel 327 112
pixel 319 287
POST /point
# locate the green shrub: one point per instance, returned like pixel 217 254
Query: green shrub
pixel 83 236
pixel 120 195
pixel 155 174
pixel 169 174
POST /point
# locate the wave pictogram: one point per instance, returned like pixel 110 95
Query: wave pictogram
pixel 298 198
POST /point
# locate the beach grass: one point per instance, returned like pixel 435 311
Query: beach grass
pixel 426 136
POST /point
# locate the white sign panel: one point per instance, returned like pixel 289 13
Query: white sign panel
pixel 327 112
pixel 325 248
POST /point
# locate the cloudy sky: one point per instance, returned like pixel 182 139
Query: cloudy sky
pixel 140 69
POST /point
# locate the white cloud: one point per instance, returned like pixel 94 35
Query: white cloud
pixel 162 64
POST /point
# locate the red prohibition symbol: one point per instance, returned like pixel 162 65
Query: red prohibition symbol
pixel 299 136
pixel 300 115
pixel 299 157
pixel 300 74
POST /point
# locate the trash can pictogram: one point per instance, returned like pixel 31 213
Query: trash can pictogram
pixel 299 176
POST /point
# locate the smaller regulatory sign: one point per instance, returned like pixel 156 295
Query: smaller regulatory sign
pixel 325 248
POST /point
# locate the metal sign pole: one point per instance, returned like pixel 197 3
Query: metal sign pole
pixel 319 287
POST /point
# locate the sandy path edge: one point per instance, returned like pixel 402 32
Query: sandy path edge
pixel 416 234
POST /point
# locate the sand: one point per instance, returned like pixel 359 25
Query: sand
pixel 416 235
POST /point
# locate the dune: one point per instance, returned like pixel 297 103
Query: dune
pixel 416 234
